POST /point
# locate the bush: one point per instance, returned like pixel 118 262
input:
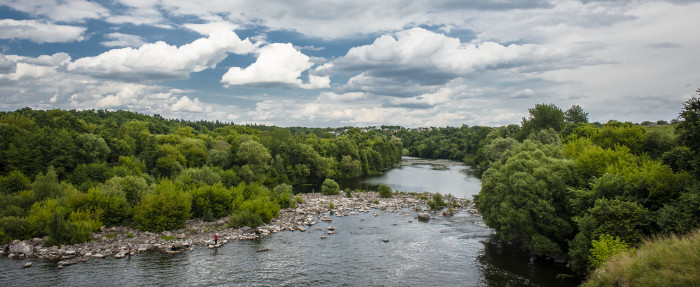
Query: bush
pixel 298 199
pixel 384 191
pixel 437 202
pixel 245 218
pixel 330 187
pixel 213 198
pixel 669 261
pixel 165 209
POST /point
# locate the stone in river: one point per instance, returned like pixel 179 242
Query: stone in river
pixel 28 264
pixel 423 217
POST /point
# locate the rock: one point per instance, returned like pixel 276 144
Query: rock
pixel 423 217
pixel 99 255
pixel 37 241
pixel 103 228
pixel 21 247
pixel 247 229
pixel 26 265
pixel 302 229
pixel 324 237
pixel 60 267
pixel 385 240
pixel 69 252
pixel 331 228
pixel 326 218
pixel 180 236
pixel 331 232
pixel 263 250
pixel 447 213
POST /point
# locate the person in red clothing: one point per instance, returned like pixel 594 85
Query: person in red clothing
pixel 216 238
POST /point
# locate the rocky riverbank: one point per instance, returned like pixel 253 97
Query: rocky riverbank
pixel 120 242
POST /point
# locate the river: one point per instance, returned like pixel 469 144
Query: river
pixel 455 251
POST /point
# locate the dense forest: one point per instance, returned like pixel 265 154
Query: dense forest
pixel 556 185
pixel 66 173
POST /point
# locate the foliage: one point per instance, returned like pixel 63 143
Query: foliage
pixel 298 199
pixel 166 208
pixel 669 261
pixel 688 130
pixel 330 187
pixel 525 200
pixel 436 203
pixel 605 247
pixel 212 199
pixel 384 191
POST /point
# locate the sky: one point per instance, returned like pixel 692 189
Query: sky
pixel 352 63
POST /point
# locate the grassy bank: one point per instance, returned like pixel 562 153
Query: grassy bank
pixel 667 261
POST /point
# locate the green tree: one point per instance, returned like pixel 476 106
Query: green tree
pixel 384 191
pixel 605 247
pixel 525 200
pixel 330 187
pixel 542 116
pixel 91 148
pixel 688 130
pixel 14 182
pixel 166 208
pixel 576 115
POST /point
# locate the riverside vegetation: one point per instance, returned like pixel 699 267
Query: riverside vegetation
pixel 556 185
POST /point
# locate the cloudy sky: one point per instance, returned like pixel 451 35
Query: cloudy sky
pixel 352 63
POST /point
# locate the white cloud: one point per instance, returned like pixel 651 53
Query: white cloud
pixel 424 56
pixel 59 10
pixel 39 32
pixel 123 40
pixel 162 61
pixel 279 64
pixel 208 28
pixel 6 65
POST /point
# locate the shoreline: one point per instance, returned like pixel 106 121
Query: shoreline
pixel 114 241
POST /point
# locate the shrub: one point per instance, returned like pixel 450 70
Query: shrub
pixel 331 205
pixel 245 218
pixel 213 198
pixel 604 248
pixel 437 202
pixel 384 191
pixel 348 193
pixel 330 187
pixel 164 209
pixel 298 199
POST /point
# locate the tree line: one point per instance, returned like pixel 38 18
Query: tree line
pixel 563 188
pixel 66 173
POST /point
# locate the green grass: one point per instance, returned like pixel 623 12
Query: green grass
pixel 167 237
pixel 662 261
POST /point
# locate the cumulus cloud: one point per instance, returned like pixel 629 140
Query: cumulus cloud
pixel 39 32
pixel 60 10
pixel 277 64
pixel 159 60
pixel 426 57
pixel 208 28
pixel 6 65
pixel 122 40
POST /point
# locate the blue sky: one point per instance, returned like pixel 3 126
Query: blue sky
pixel 351 63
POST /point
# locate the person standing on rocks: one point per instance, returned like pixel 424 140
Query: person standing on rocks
pixel 216 238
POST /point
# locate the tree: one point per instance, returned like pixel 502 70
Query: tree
pixel 166 208
pixel 576 115
pixel 542 116
pixel 254 158
pixel 330 187
pixel 525 200
pixel 688 130
pixel 384 191
pixel 91 148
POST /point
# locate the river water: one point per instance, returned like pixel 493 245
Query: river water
pixel 455 251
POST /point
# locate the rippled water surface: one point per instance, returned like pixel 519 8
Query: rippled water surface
pixel 442 252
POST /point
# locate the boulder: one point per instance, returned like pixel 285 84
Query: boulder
pixel 247 229
pixel 447 213
pixel 423 217
pixel 28 264
pixel 21 247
